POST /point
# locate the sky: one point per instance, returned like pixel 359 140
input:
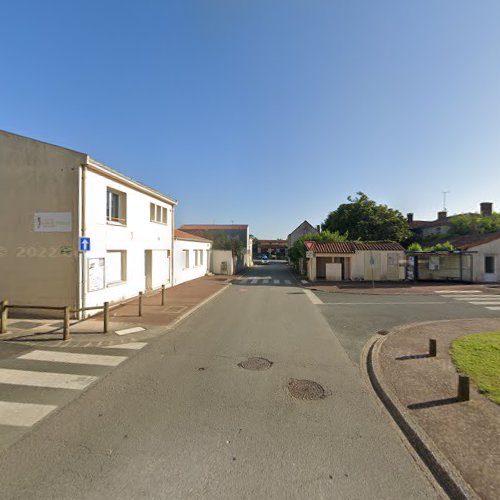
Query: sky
pixel 266 112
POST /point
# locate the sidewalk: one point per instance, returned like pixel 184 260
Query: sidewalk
pixel 424 390
pixel 180 301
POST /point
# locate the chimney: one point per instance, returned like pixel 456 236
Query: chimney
pixel 318 227
pixel 486 209
pixel 409 218
pixel 442 215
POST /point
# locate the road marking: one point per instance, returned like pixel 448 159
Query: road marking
pixel 265 282
pixel 486 303
pixel 130 345
pixel 75 358
pixel 493 308
pixel 288 282
pixel 457 291
pixel 45 379
pixel 304 282
pixel 23 414
pixel 379 303
pixel 477 297
pixel 313 297
pixel 277 282
pixel 253 282
pixel 130 330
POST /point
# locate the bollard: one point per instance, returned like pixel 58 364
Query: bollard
pixel 432 348
pixel 106 317
pixel 163 295
pixel 66 323
pixel 463 388
pixel 140 303
pixel 4 314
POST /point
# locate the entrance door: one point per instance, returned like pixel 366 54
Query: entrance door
pixel 490 268
pixel 148 269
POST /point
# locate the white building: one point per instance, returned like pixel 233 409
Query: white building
pixel 192 256
pixel 50 197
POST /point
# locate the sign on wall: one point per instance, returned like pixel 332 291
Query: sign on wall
pixel 52 222
pixel 95 274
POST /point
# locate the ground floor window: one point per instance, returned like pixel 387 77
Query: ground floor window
pixel 489 264
pixel 186 259
pixel 116 267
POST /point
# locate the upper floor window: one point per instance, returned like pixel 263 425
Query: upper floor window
pixel 158 214
pixel 116 206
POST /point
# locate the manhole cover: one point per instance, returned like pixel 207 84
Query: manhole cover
pixel 256 364
pixel 305 389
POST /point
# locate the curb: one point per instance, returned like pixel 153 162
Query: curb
pixel 442 473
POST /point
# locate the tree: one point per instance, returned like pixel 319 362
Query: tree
pixel 364 219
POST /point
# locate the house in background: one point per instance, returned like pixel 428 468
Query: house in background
pixel 353 260
pixel 240 231
pixel 50 197
pixel 192 256
pixel 300 231
pixel 272 247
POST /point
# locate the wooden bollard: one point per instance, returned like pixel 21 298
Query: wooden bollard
pixel 463 388
pixel 106 317
pixel 432 348
pixel 140 303
pixel 163 295
pixel 4 315
pixel 66 323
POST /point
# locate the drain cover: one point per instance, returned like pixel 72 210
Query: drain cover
pixel 256 364
pixel 305 389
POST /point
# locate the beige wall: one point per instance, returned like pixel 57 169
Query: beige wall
pixel 37 177
pixel 488 249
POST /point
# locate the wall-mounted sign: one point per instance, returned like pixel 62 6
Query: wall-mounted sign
pixel 95 274
pixel 309 254
pixel 52 222
pixel 84 244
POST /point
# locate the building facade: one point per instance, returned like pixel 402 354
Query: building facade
pixel 192 257
pixel 50 198
pixel 300 231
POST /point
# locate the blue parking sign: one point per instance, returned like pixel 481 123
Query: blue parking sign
pixel 84 244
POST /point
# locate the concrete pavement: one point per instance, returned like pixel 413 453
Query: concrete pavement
pixel 181 419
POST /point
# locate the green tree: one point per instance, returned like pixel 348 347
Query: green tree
pixel 364 219
pixel 471 223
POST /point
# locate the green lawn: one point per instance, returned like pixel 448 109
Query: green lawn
pixel 478 356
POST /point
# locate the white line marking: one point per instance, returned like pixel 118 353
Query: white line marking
pixel 130 345
pixel 253 282
pixel 75 358
pixel 304 282
pixel 23 414
pixel 477 297
pixel 45 379
pixel 485 303
pixel 493 308
pixel 457 291
pixel 130 330
pixel 265 282
pixel 379 303
pixel 312 297
pixel 288 282
pixel 277 282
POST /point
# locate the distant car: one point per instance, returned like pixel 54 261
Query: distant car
pixel 264 260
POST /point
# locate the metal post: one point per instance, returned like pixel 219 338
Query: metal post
pixel 432 348
pixel 106 317
pixel 140 303
pixel 66 323
pixel 163 295
pixel 463 388
pixel 4 313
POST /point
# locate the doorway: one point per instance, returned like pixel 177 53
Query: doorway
pixel 148 269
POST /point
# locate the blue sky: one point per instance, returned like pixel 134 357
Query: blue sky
pixel 266 112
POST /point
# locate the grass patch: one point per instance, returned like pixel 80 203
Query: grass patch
pixel 478 356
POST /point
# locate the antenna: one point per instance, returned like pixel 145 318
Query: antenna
pixel 445 192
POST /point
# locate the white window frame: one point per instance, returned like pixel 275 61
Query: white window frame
pixel 186 259
pixel 158 214
pixel 123 269
pixel 121 200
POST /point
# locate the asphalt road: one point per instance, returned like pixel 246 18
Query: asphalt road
pixel 356 317
pixel 181 419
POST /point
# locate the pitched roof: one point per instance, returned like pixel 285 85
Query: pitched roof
pixel 212 227
pixel 473 240
pixel 352 246
pixel 181 235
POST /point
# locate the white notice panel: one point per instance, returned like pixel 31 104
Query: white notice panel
pixel 95 274
pixel 52 222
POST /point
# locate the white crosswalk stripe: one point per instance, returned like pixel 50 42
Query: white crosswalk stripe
pixel 134 346
pixel 493 308
pixel 473 297
pixel 23 414
pixel 457 291
pixel 254 282
pixel 45 379
pixel 276 282
pixel 71 357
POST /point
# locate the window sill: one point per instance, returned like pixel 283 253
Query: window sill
pixel 115 283
pixel 116 223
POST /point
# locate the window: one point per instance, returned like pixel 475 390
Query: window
pixel 201 257
pixel 158 214
pixel 116 205
pixel 186 259
pixel 489 265
pixel 116 265
pixel 196 258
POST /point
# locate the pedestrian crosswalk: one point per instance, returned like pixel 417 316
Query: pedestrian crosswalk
pixel 32 382
pixel 489 301
pixel 263 281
